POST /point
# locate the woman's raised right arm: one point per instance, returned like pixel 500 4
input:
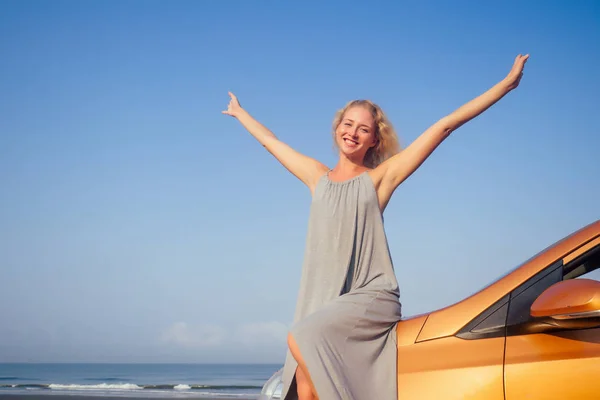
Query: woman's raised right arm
pixel 307 169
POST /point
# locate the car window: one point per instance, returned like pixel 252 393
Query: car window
pixel 521 298
pixel 586 266
pixel 595 275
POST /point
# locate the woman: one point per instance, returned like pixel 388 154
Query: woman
pixel 342 344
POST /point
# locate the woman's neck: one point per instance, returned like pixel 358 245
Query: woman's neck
pixel 347 168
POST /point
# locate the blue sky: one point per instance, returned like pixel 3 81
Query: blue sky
pixel 139 224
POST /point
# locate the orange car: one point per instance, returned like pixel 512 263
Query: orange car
pixel 532 334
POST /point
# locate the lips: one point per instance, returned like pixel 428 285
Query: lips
pixel 350 142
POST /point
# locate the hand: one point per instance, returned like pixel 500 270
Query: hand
pixel 516 73
pixel 234 108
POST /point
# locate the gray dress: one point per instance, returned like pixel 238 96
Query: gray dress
pixel 348 302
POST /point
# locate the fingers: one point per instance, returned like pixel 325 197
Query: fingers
pixel 233 97
pixel 521 59
pixel 232 106
pixel 519 64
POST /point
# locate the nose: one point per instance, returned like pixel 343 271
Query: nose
pixel 350 131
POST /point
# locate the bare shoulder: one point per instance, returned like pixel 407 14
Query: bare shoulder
pixel 377 174
pixel 320 170
pixel 317 173
pixel 382 187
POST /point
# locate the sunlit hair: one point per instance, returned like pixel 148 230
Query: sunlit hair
pixel 387 140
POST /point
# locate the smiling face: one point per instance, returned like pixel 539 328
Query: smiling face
pixel 363 134
pixel 356 133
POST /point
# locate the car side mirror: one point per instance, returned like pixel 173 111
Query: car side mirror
pixel 572 299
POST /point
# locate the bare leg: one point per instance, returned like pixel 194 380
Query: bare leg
pixel 303 386
pixel 306 389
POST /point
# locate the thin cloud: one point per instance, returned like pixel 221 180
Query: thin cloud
pixel 196 336
pixel 256 334
pixel 262 333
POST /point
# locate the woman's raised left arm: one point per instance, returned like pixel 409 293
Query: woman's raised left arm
pixel 396 169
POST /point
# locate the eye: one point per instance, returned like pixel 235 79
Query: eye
pixel 348 124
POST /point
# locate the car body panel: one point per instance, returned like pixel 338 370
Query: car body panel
pixel 408 329
pixel 451 368
pixel 561 365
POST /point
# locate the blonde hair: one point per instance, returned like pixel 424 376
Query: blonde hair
pixel 387 140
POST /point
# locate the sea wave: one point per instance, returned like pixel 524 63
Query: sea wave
pixel 128 386
pixel 101 386
pixel 106 379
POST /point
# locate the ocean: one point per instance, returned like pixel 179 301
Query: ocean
pixel 241 381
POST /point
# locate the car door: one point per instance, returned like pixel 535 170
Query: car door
pixel 546 363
